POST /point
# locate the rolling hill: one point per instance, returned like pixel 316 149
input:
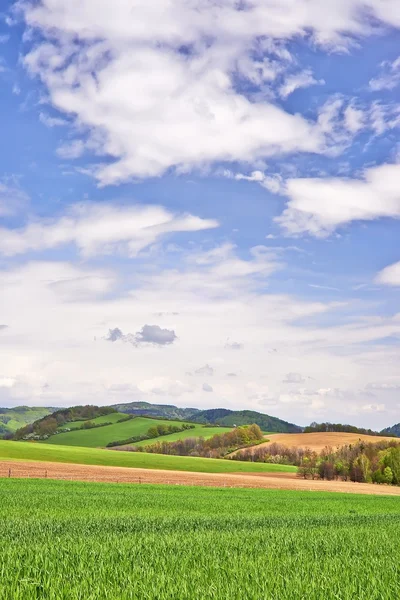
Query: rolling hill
pixel 12 419
pixel 99 437
pixel 393 430
pixel 197 431
pixel 230 418
pixel 28 451
pixel 217 416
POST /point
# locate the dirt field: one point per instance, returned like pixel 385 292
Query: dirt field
pixel 318 441
pixel 282 481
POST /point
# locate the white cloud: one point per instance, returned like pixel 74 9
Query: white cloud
pixel 296 81
pixel 389 275
pixel 54 348
pixel 51 121
pixel 100 229
pixel 149 334
pixel 71 150
pixel 207 388
pixel 12 198
pixel 190 110
pixel 390 77
pixel 354 118
pixel 320 205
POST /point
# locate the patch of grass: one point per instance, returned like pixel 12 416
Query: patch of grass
pixel 94 456
pixel 111 418
pixel 198 431
pixel 100 437
pixel 90 541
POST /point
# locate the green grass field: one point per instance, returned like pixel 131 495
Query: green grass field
pixel 101 436
pixel 111 418
pixel 94 456
pixel 87 541
pixel 198 431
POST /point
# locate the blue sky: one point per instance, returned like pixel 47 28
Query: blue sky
pixel 199 205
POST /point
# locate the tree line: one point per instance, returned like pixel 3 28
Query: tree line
pixel 217 446
pixel 361 462
pixel 50 424
pixel 338 427
pixel 153 432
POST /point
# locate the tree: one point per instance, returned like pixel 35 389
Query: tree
pixel 387 475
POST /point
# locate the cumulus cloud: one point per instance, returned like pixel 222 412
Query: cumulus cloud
pixel 191 110
pixel 149 334
pixel 100 229
pixel 153 334
pixel 2 327
pixel 207 388
pixel 389 275
pixel 318 206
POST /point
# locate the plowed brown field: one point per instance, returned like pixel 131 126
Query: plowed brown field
pixel 282 481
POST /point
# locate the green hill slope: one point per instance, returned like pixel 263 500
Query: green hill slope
pixel 198 431
pixel 93 456
pixel 229 418
pixel 12 419
pixel 219 416
pixel 99 437
pixel 166 411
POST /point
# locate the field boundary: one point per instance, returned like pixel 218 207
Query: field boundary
pixel 90 473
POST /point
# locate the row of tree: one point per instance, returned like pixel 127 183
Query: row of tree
pixel 50 424
pixel 215 447
pixel 153 432
pixel 361 462
pixel 339 427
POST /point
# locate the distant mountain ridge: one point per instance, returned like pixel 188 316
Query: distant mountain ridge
pixel 393 430
pixel 215 416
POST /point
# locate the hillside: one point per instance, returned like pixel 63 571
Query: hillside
pixel 165 411
pixel 318 441
pixel 99 437
pixel 393 430
pixel 229 418
pixel 197 432
pixel 217 416
pixel 140 460
pixel 12 419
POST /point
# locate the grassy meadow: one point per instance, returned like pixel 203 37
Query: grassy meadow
pixel 93 456
pixel 87 541
pixel 198 431
pixel 111 418
pixel 101 436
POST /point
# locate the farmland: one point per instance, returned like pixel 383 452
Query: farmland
pixel 197 431
pixel 318 441
pixel 101 436
pixel 111 418
pixel 88 541
pixel 93 456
